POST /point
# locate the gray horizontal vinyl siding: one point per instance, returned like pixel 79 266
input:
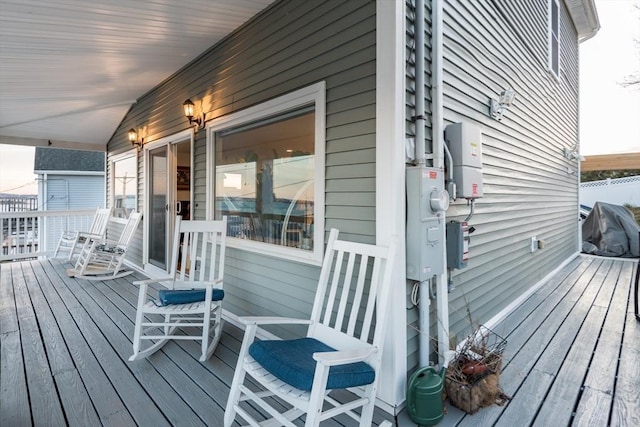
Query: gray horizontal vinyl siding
pixel 290 45
pixel 530 188
pixel 72 192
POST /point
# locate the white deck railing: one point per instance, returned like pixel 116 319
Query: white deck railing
pixel 32 234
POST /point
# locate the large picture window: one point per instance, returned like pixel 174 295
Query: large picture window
pixel 124 185
pixel 268 175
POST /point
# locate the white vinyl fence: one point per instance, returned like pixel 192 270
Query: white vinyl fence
pixel 619 191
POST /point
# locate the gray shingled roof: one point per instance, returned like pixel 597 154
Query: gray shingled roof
pixel 59 159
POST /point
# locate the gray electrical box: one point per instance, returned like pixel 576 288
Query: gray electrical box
pixel 465 144
pixel 457 244
pixel 426 202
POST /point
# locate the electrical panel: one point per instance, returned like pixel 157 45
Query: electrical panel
pixel 457 244
pixel 426 202
pixel 464 141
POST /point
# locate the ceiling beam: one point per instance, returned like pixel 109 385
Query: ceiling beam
pixel 611 162
pixel 36 142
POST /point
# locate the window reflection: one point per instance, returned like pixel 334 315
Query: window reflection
pixel 124 186
pixel 265 180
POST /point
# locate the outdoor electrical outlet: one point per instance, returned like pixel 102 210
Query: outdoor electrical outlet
pixel 534 244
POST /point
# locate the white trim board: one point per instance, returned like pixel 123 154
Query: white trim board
pixel 390 191
pixel 74 173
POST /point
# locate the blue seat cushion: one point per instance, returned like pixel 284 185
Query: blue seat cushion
pixel 292 362
pixel 168 296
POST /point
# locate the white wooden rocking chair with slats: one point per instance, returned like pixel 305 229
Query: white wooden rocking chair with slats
pixel 342 348
pixel 73 241
pixel 192 300
pixel 101 259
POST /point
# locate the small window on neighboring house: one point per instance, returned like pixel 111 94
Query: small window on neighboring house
pixel 554 37
pixel 124 184
pixel 269 175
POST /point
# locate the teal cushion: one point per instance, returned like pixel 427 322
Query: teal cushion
pixel 292 362
pixel 167 296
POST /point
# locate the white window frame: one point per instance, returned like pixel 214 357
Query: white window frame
pixel 112 190
pixel 310 95
pixel 554 39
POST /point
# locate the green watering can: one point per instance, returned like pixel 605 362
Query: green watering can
pixel 424 394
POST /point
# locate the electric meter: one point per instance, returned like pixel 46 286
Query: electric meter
pixel 439 200
pixel 426 202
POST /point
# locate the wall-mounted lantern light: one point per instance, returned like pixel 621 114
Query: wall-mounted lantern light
pixel 572 154
pixel 499 107
pixel 189 112
pixel 133 138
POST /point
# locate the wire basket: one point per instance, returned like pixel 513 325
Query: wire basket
pixel 473 376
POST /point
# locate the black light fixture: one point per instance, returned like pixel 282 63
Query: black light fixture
pixel 189 112
pixel 133 138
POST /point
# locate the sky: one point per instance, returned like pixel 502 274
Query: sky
pixel 16 170
pixel 609 113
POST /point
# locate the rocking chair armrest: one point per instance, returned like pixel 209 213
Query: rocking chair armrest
pixel 269 320
pixel 343 357
pixel 185 284
pixel 100 241
pixel 87 235
pixel 177 285
pixel 150 281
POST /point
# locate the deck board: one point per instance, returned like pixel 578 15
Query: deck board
pixel 594 408
pixel 147 388
pixel 141 406
pixel 14 397
pixel 602 372
pixel 572 355
pixel 103 396
pixel 565 389
pixel 74 397
pixel 626 401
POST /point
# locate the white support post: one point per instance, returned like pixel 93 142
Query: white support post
pixel 390 187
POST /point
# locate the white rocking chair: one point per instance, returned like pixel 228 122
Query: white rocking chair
pixel 101 259
pixel 73 241
pixel 340 350
pixel 193 298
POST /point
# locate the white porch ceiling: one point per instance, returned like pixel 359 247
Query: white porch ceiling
pixel 71 69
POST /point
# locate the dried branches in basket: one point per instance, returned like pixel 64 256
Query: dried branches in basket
pixel 473 377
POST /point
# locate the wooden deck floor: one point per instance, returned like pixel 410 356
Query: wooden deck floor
pixel 572 354
pixel 64 350
pixel 572 357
